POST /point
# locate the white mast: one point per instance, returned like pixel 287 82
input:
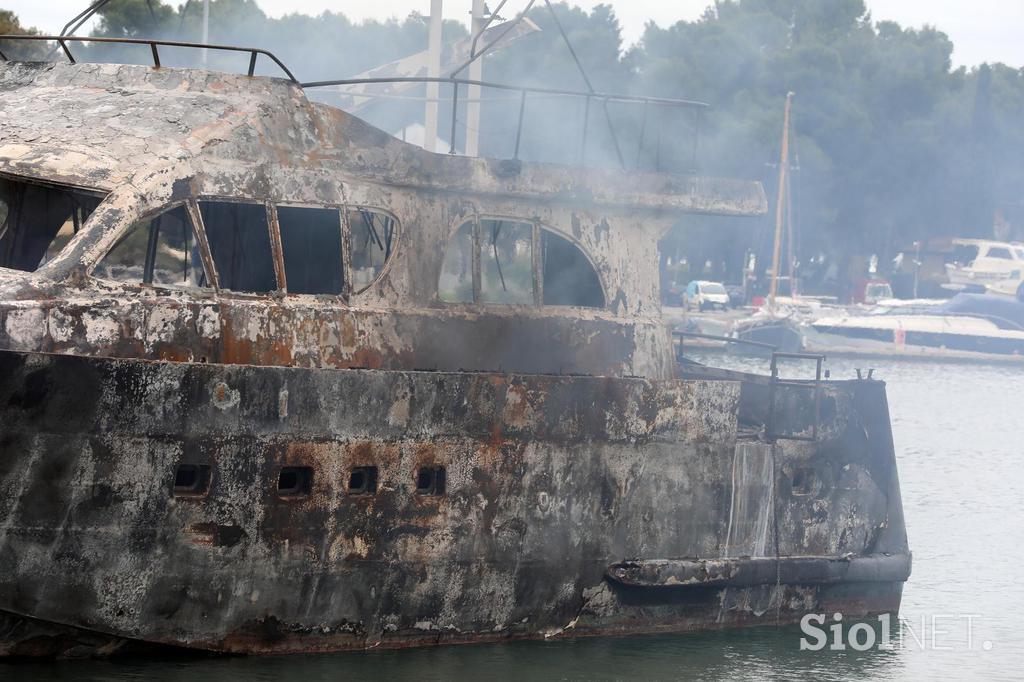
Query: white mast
pixel 433 71
pixel 476 73
pixel 779 204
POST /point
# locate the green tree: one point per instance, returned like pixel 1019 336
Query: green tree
pixel 10 25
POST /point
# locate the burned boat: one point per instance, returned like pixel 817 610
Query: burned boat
pixel 971 327
pixel 273 381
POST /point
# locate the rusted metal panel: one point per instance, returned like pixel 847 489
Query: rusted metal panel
pixel 550 481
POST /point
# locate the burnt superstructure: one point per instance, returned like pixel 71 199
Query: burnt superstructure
pixel 274 381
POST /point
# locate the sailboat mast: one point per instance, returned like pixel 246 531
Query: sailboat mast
pixel 780 203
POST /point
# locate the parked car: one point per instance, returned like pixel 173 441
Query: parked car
pixel 702 295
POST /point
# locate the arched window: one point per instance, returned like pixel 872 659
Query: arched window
pixel 493 260
pixel 568 276
pixel 372 236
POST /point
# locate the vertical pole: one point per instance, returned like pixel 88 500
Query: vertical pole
pixel 696 140
pixel 455 111
pixel 433 71
pixel 206 28
pixel 643 132
pixel 476 73
pixel 583 138
pixel 519 126
pixel 780 204
pixel 917 265
pixel 789 238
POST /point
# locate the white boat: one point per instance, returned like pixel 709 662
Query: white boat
pixel 997 267
pixel 969 326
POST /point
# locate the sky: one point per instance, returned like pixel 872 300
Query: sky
pixel 981 30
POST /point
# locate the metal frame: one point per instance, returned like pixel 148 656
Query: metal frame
pixel 775 382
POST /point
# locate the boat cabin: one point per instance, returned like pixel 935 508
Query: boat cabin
pixel 193 216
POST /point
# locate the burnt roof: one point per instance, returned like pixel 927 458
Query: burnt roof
pixel 104 125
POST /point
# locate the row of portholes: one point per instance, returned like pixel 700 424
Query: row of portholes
pixel 193 480
pixel 324 251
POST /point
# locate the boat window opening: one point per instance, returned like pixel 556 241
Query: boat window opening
pixel 568 276
pixel 964 254
pixel 1020 253
pixel 191 479
pixel 456 281
pixel 431 481
pixel 362 481
pixel 506 262
pixel 311 242
pixel 999 252
pixel 508 273
pixel 294 481
pixel 37 221
pixel 801 481
pixel 239 240
pixel 162 251
pixel 372 236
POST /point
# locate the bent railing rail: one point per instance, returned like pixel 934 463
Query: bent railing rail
pixel 154 46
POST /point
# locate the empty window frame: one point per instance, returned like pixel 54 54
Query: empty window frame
pixel 38 220
pixel 239 238
pixel 506 262
pixel 160 250
pixel 311 244
pixel 372 240
pixel 568 277
pixel 294 481
pixel 514 262
pixel 456 282
pixel 999 252
pixel 191 480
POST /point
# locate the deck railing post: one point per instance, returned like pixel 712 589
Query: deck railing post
pixel 67 52
pixel 519 126
pixel 156 55
pixel 583 137
pixel 643 133
pixel 455 108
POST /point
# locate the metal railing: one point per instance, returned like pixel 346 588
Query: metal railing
pixel 154 45
pixel 588 97
pixel 523 91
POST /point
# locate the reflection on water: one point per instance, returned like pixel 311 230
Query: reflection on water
pixel 959 432
pixel 749 655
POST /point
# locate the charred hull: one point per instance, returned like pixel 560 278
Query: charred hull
pixel 551 484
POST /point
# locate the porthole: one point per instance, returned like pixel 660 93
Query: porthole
pixel 191 480
pixel 294 481
pixel 431 481
pixel 362 481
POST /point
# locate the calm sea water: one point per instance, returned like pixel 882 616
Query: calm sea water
pixel 959 432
